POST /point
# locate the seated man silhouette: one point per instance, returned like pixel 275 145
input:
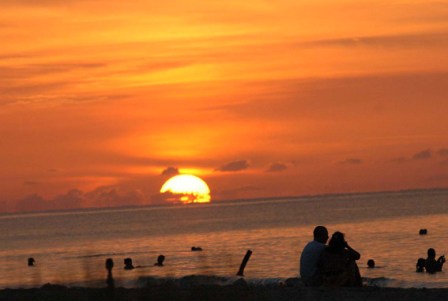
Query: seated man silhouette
pixel 310 257
pixel 432 265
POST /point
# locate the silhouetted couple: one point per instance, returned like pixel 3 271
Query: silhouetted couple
pixel 431 265
pixel 332 265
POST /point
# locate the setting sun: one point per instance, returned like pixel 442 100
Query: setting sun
pixel 186 189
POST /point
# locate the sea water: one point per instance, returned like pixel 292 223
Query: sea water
pixel 71 247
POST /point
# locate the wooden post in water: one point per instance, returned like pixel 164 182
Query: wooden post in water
pixel 243 263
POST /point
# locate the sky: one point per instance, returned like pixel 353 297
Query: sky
pixel 102 101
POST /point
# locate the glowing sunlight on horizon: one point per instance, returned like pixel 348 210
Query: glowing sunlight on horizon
pixel 186 189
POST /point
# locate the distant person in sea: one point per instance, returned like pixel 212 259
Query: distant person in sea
pixel 128 264
pixel 420 266
pixel 31 262
pixel 109 280
pixel 432 265
pixel 337 264
pixel 160 261
pixel 310 257
pixel 371 263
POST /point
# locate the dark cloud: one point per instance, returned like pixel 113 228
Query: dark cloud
pixel 32 203
pixel 423 155
pixel 443 152
pixel 105 196
pixel 234 166
pixel 351 161
pixel 277 167
pixel 71 200
pixel 170 171
pixel 113 196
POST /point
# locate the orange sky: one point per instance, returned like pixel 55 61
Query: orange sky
pixel 258 98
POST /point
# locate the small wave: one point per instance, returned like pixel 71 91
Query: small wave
pixel 377 282
pixel 205 280
pixel 106 254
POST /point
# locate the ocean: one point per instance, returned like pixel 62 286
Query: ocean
pixel 70 247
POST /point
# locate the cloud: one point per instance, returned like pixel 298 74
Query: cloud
pixel 238 192
pixel 113 196
pixel 399 160
pixel 30 183
pixel 439 177
pixel 32 203
pixel 104 196
pixel 403 41
pixel 234 166
pixel 277 167
pixel 351 161
pixel 423 155
pixel 170 171
pixel 72 199
pixel 443 152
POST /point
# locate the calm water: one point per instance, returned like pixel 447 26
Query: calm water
pixel 71 247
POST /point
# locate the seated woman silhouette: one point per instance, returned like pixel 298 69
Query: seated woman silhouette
pixel 337 264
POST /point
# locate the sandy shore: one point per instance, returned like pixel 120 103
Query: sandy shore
pixel 218 293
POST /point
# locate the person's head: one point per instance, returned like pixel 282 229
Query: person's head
pixel 109 264
pixel 160 259
pixel 431 253
pixel 128 263
pixel 371 263
pixel 31 261
pixel 320 234
pixel 337 242
pixel 421 262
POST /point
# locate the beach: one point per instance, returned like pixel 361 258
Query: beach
pixel 217 293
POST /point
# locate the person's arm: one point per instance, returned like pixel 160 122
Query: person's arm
pixel 352 253
pixel 440 263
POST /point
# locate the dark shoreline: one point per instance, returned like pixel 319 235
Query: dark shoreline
pixel 221 293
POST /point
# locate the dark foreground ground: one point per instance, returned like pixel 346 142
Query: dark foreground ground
pixel 218 293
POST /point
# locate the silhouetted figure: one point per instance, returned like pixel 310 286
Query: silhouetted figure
pixel 337 263
pixel 31 262
pixel 160 260
pixel 370 263
pixel 423 232
pixel 110 280
pixel 128 264
pixel 196 249
pixel 310 257
pixel 432 265
pixel 420 266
